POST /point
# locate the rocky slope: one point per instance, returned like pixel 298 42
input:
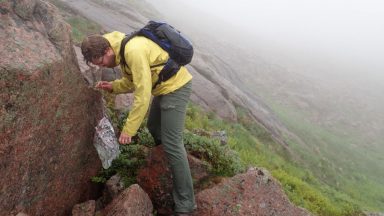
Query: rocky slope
pixel 47 114
pixel 255 192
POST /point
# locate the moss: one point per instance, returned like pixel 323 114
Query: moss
pixel 224 161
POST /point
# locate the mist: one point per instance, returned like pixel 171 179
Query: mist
pixel 330 54
pixel 340 38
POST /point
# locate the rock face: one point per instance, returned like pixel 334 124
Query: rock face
pixel 47 114
pixel 208 95
pixel 251 193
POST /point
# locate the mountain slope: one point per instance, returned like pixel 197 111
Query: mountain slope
pixel 230 78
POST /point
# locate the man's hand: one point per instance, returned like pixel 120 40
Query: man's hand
pixel 125 138
pixel 105 85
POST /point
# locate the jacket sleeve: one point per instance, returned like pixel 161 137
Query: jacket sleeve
pixel 121 86
pixel 138 62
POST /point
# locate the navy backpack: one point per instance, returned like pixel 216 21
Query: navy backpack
pixel 179 48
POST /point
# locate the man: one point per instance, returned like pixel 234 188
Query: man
pixel 168 109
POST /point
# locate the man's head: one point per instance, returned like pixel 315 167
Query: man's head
pixel 97 50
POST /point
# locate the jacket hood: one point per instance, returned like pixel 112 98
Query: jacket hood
pixel 115 39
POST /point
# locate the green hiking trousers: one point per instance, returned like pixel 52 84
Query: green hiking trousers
pixel 166 124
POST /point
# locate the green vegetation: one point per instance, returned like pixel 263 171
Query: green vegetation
pixel 256 148
pixel 337 160
pixel 132 156
pixel 126 165
pixel 223 160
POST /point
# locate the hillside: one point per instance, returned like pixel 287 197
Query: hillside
pixel 246 112
pixel 297 109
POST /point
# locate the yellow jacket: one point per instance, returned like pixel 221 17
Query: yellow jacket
pixel 140 54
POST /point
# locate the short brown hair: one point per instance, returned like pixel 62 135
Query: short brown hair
pixel 93 47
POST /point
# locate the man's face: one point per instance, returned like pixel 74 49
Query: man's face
pixel 107 60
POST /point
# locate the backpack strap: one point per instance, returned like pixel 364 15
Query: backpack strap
pixel 170 68
pixel 122 47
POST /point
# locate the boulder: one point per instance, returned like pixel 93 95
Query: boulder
pixel 251 193
pixel 132 201
pixel 47 114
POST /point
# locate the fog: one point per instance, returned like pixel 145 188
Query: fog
pixel 346 34
pixel 333 51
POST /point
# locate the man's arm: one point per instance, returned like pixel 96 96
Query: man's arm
pixel 121 86
pixel 137 59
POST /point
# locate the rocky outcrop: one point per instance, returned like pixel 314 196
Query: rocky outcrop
pixel 47 114
pixel 251 193
pixel 255 192
pixel 209 96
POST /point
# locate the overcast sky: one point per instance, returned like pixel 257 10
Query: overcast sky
pixel 354 26
pixel 347 31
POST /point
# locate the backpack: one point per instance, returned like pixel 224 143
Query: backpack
pixel 179 48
